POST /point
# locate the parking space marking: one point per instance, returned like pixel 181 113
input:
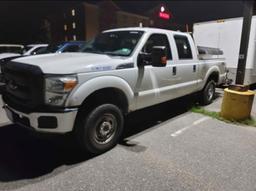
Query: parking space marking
pixel 175 134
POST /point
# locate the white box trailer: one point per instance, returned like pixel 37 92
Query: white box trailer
pixel 226 35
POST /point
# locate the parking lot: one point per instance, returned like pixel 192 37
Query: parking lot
pixel 165 147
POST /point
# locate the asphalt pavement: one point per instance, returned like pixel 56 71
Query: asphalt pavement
pixel 165 147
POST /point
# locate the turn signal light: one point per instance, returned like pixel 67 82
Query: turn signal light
pixel 70 84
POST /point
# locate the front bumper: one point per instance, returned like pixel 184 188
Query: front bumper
pixel 57 122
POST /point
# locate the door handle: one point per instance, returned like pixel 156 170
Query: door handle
pixel 174 70
pixel 194 68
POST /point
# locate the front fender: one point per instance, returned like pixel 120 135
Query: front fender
pixel 79 94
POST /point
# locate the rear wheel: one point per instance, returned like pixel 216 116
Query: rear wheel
pixel 208 93
pixel 101 129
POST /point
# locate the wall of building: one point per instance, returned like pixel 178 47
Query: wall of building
pixel 91 24
pixel 125 19
pixel 73 23
pixel 84 21
pixel 107 18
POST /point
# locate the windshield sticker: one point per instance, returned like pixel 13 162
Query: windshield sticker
pixel 126 50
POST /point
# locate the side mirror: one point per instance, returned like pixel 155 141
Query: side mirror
pixel 144 59
pixel 159 56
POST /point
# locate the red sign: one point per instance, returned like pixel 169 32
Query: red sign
pixel 164 15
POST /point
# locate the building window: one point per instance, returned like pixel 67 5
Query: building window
pixel 74 37
pixel 151 22
pixel 74 25
pixel 73 12
pixel 65 27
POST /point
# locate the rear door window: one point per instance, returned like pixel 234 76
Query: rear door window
pixel 183 47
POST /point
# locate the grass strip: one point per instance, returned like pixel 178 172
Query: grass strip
pixel 216 115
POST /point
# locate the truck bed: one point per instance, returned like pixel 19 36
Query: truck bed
pixel 208 53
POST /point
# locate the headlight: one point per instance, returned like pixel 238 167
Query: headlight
pixel 57 89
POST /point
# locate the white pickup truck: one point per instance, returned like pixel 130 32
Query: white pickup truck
pixel 120 71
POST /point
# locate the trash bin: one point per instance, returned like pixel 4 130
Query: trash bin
pixel 237 104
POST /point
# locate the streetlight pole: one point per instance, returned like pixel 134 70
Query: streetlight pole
pixel 247 17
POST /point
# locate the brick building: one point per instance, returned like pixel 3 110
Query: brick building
pixel 161 17
pixel 84 20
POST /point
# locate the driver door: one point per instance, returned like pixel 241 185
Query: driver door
pixel 154 83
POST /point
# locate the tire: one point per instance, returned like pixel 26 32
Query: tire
pixel 99 130
pixel 208 93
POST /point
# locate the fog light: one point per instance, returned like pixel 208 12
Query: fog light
pixel 55 100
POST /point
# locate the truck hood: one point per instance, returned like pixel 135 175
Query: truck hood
pixel 67 63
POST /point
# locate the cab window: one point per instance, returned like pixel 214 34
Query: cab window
pixel 183 47
pixel 157 40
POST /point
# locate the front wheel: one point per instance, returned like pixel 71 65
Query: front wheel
pixel 208 93
pixel 101 129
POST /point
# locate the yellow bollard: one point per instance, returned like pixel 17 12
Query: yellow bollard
pixel 237 105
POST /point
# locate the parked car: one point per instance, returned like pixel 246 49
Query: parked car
pixel 33 49
pixel 90 92
pixel 68 46
pixel 14 51
pixel 10 50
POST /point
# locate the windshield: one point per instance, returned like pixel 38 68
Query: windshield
pixel 118 43
pixel 62 47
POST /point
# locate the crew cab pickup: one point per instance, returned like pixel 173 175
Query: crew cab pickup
pixel 120 71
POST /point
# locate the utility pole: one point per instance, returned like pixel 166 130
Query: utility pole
pixel 238 100
pixel 247 17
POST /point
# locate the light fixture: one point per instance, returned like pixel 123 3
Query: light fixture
pixel 162 9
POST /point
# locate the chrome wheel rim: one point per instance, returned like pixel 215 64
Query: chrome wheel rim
pixel 210 92
pixel 106 127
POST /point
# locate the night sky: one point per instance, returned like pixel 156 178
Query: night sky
pixel 20 21
pixel 189 11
